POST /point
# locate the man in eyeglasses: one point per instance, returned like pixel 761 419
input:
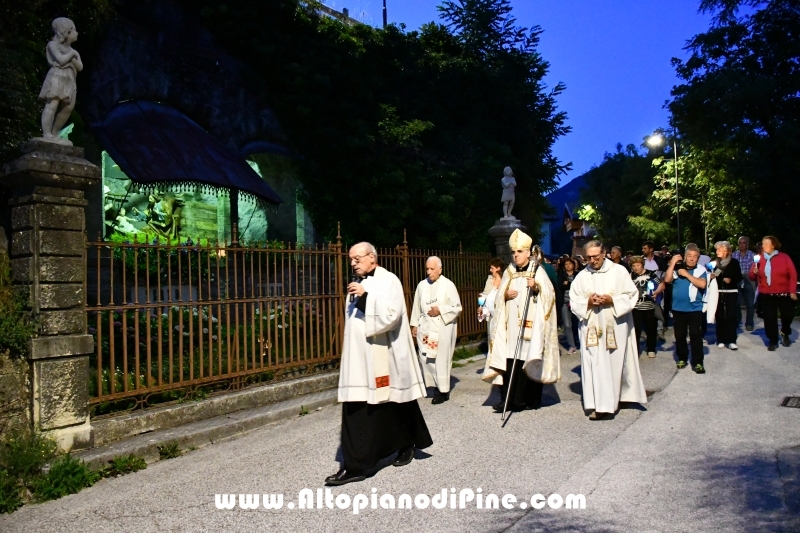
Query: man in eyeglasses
pixel 380 377
pixel 603 296
pixel 524 334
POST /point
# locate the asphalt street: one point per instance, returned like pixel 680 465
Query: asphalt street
pixel 713 452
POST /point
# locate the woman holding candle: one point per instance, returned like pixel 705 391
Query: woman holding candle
pixel 487 296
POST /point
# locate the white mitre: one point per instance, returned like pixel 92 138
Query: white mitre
pixel 520 240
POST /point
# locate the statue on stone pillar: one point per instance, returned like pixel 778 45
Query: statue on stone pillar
pixel 59 89
pixel 509 184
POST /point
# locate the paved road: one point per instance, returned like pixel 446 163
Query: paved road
pixel 712 452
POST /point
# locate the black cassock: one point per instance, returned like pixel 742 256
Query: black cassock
pixel 371 432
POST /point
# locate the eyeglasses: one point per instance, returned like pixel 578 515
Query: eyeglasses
pixel 593 257
pixel 358 258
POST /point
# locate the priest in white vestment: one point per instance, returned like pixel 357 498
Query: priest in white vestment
pixel 380 377
pixel 602 296
pixel 538 357
pixel 433 323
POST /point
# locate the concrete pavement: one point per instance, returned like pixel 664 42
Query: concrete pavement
pixel 712 452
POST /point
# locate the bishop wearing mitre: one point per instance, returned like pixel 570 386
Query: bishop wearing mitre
pixel 380 377
pixel 433 323
pixel 534 358
pixel 603 296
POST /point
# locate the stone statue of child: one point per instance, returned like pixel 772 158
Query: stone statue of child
pixel 509 184
pixel 59 88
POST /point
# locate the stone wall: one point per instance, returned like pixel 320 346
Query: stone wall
pixel 15 393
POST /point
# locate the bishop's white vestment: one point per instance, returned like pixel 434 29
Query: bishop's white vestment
pixel 379 363
pixel 436 336
pixel 609 374
pixel 540 349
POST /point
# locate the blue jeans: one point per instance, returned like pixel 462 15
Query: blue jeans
pixel 747 293
pixel 569 321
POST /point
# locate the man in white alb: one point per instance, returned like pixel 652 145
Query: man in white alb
pixel 602 296
pixel 433 323
pixel 380 377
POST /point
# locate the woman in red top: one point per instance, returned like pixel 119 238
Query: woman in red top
pixel 777 288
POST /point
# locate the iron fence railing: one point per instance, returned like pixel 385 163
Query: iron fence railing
pixel 174 320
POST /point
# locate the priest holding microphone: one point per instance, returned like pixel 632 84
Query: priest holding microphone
pixel 380 377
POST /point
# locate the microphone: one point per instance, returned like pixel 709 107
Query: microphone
pixel 354 279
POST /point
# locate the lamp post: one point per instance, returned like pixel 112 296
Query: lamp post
pixel 384 15
pixel 657 139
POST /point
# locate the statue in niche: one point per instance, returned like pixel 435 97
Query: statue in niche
pixel 165 216
pixel 59 89
pixel 147 214
pixel 122 223
pixel 509 184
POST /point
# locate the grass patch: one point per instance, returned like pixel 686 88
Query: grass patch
pixel 169 450
pixel 124 464
pixel 11 492
pixel 23 455
pixel 23 477
pixel 67 475
pixel 462 352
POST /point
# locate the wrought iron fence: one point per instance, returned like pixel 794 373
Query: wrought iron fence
pixel 172 320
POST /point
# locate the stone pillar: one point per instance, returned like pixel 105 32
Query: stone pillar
pixel 48 263
pixel 500 232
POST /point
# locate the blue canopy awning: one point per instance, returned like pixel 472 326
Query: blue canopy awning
pixel 156 145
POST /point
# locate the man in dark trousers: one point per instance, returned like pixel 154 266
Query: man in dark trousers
pixel 380 377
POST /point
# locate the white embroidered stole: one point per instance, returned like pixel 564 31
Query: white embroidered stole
pixel 429 325
pixel 601 323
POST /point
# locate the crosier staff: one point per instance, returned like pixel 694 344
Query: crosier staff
pixel 535 256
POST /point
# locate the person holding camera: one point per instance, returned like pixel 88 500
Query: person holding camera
pixel 644 312
pixel 689 283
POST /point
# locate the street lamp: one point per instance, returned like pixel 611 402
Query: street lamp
pixel 657 139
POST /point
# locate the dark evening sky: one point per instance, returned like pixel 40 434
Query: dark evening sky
pixel 613 55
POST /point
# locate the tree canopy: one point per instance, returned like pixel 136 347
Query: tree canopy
pixel 738 112
pixel 393 129
pixel 735 118
pixel 404 129
pixel 621 183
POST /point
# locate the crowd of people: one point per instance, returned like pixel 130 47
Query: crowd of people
pixel 676 290
pixel 602 300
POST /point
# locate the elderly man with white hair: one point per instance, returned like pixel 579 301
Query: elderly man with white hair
pixel 433 322
pixel 689 282
pixel 380 378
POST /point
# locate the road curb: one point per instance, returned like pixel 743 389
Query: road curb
pixel 209 431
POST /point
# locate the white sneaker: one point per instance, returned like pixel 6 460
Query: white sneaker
pixel 733 346
pixel 720 345
pixel 651 355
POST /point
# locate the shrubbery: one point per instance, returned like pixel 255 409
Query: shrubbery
pixel 16 323
pixel 33 469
